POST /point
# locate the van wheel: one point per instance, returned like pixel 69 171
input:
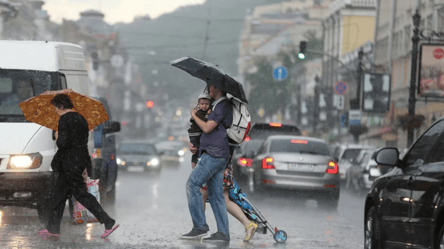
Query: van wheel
pixel 43 212
pixel 371 230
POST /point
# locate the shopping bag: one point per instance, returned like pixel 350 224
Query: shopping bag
pixel 93 188
pixel 80 213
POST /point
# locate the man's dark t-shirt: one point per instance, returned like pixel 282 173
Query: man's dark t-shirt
pixel 216 143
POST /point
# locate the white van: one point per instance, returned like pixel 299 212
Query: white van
pixel 28 68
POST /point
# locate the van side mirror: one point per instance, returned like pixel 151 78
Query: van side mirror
pixel 113 126
pixel 387 156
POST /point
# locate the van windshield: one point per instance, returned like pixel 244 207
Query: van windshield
pixel 19 85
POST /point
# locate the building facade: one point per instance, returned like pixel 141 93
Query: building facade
pixel 393 48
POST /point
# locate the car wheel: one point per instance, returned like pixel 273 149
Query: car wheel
pixel 371 230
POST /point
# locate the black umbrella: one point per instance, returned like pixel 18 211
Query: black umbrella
pixel 212 74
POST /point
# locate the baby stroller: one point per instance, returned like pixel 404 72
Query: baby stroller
pixel 235 194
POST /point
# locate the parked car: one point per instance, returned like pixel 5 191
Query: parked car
pixel 297 163
pixel 404 208
pixel 345 154
pixel 363 172
pixel 138 156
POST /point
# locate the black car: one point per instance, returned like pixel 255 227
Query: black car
pixel 405 207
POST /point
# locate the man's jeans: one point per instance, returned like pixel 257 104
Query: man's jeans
pixel 208 170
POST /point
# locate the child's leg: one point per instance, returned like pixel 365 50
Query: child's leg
pixel 235 210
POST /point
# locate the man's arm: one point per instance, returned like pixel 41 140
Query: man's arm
pixel 207 127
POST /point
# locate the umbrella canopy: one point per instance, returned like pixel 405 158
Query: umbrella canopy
pixel 39 110
pixel 212 74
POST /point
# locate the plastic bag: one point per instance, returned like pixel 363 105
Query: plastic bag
pixel 81 214
pixel 93 188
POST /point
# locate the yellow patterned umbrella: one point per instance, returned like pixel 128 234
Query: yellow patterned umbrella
pixel 39 109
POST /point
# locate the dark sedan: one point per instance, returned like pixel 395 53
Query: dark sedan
pixel 405 207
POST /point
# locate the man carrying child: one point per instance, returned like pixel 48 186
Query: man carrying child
pixel 214 156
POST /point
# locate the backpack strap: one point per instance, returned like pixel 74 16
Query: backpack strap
pixel 217 101
pixel 214 106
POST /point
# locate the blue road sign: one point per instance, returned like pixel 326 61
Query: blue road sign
pixel 280 73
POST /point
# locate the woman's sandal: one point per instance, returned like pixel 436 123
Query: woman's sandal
pixel 250 229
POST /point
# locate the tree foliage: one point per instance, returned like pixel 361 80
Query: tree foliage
pixel 274 96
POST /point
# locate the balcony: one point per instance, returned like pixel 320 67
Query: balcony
pixel 342 4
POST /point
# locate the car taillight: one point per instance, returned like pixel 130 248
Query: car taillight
pixel 275 124
pixel 332 168
pixel 245 162
pixel 267 163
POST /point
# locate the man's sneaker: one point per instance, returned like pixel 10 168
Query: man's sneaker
pixel 217 237
pixel 194 234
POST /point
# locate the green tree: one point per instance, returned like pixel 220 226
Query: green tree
pixel 272 95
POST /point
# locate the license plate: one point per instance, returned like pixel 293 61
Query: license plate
pixel 136 168
pixel 300 167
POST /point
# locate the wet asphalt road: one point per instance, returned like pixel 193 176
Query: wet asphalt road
pixel 152 211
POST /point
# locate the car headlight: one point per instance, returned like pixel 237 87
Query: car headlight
pixel 181 152
pixel 153 162
pixel 29 161
pixel 120 161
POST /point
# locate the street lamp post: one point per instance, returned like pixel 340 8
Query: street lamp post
pixel 316 105
pixel 412 99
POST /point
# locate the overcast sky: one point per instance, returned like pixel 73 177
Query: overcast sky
pixel 114 10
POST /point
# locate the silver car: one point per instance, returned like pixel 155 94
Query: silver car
pixel 297 163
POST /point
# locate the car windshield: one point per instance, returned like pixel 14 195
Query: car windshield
pixel 18 85
pixel 137 149
pixel 299 146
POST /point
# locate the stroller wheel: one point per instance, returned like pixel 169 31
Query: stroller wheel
pixel 280 236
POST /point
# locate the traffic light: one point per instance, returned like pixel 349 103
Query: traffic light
pixel 95 60
pixel 150 104
pixel 302 49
